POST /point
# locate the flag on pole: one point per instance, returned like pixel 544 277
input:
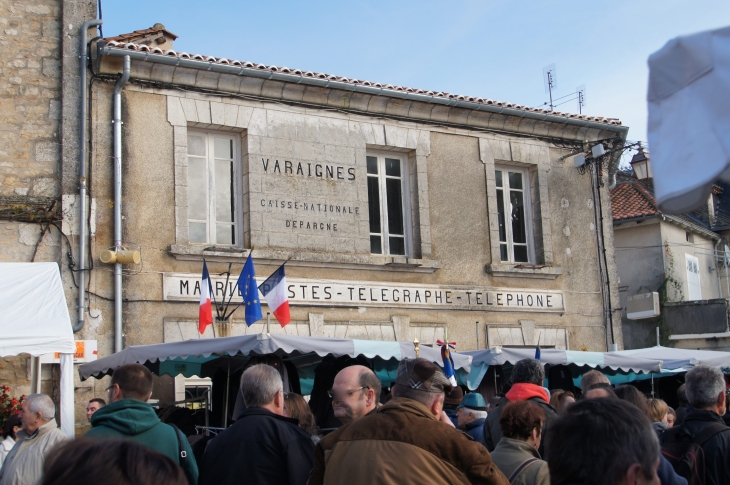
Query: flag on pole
pixel 250 292
pixel 275 292
pixel 537 347
pixel 205 315
pixel 448 360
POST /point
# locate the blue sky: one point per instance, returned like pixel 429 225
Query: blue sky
pixel 491 49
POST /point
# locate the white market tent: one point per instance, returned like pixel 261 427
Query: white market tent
pixel 36 322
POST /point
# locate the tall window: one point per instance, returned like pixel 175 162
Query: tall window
pixel 386 179
pixel 211 188
pixel 513 206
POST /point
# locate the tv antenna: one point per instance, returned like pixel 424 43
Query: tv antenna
pixel 581 91
pixel 550 77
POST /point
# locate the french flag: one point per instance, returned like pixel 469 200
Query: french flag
pixel 205 316
pixel 275 292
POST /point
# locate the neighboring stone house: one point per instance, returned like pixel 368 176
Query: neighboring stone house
pixel 678 256
pixel 401 213
pixel 39 65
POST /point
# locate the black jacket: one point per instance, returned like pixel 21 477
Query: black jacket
pixel 260 448
pixel 493 431
pixel 716 449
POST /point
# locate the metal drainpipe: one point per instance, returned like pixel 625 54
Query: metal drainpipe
pixel 117 121
pixel 83 56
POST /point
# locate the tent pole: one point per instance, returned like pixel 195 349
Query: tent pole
pixel 35 374
pixel 228 386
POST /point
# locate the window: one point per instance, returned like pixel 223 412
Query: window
pixel 386 204
pixel 211 188
pixel 513 207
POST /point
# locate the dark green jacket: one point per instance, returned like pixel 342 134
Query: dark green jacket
pixel 136 420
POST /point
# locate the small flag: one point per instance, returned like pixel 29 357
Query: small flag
pixel 275 292
pixel 537 347
pixel 448 360
pixel 205 316
pixel 250 292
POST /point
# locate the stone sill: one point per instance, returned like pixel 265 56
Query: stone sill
pixel 367 262
pixel 512 271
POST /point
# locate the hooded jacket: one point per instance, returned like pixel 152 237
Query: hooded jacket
pixel 24 463
pixel 402 442
pixel 136 420
pixel 519 392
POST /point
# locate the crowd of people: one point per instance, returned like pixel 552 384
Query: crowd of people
pixel 423 431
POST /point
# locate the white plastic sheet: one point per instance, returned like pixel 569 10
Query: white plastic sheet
pixel 36 322
pixel 689 118
pixel 35 316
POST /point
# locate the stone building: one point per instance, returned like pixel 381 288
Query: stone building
pixel 400 213
pixel 39 103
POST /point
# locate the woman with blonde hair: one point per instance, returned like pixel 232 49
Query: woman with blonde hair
pixel 657 413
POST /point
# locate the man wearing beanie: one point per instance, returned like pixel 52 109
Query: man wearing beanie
pixel 451 404
pixel 404 442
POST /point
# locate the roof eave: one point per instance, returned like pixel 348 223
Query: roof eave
pixel 564 127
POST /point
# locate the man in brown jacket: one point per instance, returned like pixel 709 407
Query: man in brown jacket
pixel 404 442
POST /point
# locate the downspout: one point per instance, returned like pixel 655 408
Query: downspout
pixel 83 57
pixel 117 124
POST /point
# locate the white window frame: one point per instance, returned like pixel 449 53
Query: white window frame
pixel 237 188
pixel 405 201
pixel 527 200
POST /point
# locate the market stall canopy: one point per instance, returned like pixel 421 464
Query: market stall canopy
pixel 689 118
pixel 482 359
pixel 185 355
pixel 35 316
pixel 680 359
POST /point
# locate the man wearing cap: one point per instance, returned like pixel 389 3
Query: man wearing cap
pixel 403 440
pixel 451 404
pixel 472 414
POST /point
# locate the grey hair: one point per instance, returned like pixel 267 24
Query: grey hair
pixel 41 403
pixel 425 398
pixel 704 384
pixel 591 378
pixel 528 371
pixel 260 384
pixel 478 413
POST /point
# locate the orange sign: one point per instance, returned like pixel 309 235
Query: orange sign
pixel 79 354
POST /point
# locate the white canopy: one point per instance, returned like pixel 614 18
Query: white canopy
pixel 36 322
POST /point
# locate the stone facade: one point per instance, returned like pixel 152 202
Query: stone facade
pixel 298 157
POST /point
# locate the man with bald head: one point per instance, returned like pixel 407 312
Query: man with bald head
pixel 355 392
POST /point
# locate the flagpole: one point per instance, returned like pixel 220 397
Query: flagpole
pixel 225 288
pixel 212 294
pixel 268 320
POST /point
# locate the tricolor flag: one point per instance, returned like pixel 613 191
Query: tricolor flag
pixel 275 291
pixel 448 360
pixel 205 316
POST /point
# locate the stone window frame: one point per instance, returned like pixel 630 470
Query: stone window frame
pixel 198 111
pixel 536 159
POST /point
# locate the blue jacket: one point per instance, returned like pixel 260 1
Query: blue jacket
pixel 475 429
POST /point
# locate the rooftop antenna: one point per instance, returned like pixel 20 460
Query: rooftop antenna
pixel 581 90
pixel 550 77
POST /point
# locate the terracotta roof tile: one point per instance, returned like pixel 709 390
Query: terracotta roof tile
pixel 119 42
pixel 631 200
pixel 141 33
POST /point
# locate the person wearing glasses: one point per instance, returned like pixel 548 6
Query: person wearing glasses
pixel 407 440
pixel 355 393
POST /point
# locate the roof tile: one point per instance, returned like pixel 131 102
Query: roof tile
pixel 118 41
